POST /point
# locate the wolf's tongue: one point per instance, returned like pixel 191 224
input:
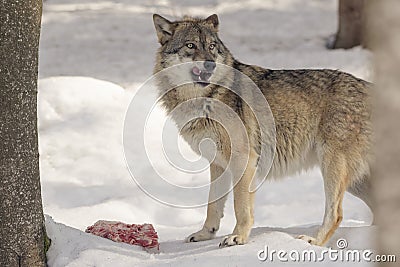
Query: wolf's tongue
pixel 196 71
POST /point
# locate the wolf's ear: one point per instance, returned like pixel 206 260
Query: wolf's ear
pixel 213 19
pixel 163 28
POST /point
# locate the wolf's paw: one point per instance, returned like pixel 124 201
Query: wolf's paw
pixel 232 240
pixel 203 234
pixel 308 239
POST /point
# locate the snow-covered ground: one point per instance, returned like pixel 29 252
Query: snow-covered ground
pixel 111 46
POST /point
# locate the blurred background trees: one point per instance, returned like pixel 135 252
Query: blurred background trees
pixel 383 37
pixel 375 25
pixel 351 28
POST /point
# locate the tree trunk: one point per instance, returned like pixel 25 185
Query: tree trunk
pixel 384 39
pixel 351 20
pixel 22 232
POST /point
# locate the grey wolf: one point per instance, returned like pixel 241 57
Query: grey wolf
pixel 322 117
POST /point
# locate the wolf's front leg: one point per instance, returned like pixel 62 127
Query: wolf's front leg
pixel 219 189
pixel 244 208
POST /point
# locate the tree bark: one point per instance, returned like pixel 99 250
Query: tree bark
pixel 384 39
pixel 22 231
pixel 351 25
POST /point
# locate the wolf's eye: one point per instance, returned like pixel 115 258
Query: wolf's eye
pixel 191 45
pixel 212 46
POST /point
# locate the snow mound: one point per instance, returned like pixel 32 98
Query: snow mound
pixel 71 247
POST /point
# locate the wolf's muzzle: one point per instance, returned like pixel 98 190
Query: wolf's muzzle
pixel 202 76
pixel 209 65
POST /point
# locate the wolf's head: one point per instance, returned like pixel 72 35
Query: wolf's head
pixel 191 40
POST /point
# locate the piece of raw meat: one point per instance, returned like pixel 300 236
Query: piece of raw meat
pixel 135 234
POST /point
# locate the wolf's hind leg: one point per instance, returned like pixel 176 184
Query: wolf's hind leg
pixel 362 190
pixel 219 189
pixel 336 179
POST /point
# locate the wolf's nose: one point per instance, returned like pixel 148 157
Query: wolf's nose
pixel 209 65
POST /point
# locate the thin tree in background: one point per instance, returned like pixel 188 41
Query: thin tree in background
pixel 351 27
pixel 22 231
pixel 383 37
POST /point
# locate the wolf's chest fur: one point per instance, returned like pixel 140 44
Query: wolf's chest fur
pixel 198 119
